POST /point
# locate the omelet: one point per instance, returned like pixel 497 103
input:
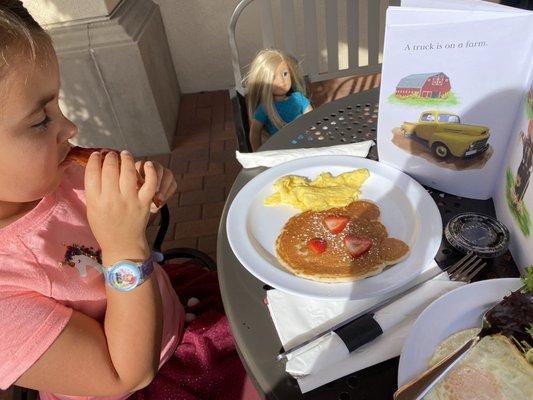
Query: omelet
pixel 326 191
pixel 493 370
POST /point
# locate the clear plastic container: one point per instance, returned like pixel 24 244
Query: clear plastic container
pixel 478 233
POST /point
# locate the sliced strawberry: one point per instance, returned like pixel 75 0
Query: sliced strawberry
pixel 336 223
pixel 317 245
pixel 357 245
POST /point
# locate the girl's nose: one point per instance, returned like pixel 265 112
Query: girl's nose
pixel 69 130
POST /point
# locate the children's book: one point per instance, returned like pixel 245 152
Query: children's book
pixel 456 104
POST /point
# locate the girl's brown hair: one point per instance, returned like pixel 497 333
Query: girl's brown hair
pixel 21 37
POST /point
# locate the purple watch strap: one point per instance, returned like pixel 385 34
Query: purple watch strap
pixel 147 267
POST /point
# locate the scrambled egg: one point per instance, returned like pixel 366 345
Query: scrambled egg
pixel 326 191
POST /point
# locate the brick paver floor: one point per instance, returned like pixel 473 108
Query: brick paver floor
pixel 203 161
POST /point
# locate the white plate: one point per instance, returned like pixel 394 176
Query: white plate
pixel 407 210
pixel 457 310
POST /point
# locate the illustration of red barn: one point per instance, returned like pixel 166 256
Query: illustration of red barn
pixel 434 85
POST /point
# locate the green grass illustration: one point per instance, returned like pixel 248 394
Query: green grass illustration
pixel 519 211
pixel 449 99
pixel 529 107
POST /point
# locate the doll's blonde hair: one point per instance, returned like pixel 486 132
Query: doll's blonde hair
pixel 258 82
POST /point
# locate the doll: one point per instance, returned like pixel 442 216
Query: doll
pixel 275 93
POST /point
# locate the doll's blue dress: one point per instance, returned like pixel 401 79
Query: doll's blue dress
pixel 288 109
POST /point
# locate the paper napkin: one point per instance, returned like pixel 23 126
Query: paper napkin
pixel 271 158
pixel 297 318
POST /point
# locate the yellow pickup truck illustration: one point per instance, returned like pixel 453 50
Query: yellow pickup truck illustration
pixel 445 135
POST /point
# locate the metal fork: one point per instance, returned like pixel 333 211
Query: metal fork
pixel 463 270
pixel 466 268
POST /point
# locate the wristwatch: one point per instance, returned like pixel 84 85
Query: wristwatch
pixel 126 275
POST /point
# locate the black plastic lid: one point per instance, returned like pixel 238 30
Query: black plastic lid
pixel 479 233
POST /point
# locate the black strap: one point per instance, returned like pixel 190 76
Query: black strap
pixel 359 332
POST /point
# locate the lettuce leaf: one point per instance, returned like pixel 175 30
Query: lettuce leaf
pixel 528 279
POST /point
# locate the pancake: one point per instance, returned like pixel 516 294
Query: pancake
pixel 336 263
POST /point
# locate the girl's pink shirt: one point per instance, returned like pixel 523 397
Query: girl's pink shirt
pixel 48 268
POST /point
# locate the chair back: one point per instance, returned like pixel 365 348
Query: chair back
pixel 242 122
pixel 330 38
pixel 327 36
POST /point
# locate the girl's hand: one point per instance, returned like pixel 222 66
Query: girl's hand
pixel 166 183
pixel 117 210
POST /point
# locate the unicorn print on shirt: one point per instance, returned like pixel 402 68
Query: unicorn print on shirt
pixel 81 257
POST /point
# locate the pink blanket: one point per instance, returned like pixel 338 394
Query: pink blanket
pixel 205 365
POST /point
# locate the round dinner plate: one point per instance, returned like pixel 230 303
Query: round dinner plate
pixel 407 211
pixel 457 310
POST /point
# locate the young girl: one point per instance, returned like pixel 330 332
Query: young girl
pixel 72 328
pixel 275 93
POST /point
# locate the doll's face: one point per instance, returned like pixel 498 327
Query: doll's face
pixel 282 80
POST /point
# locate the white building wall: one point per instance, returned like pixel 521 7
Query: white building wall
pixel 197 33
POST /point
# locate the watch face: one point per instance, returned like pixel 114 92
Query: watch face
pixel 124 277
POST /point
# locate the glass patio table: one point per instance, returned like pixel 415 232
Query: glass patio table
pixel 350 119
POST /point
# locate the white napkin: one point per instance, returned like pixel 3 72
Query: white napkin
pixel 297 318
pixel 271 158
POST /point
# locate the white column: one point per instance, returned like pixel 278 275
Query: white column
pixel 118 81
pixel 60 11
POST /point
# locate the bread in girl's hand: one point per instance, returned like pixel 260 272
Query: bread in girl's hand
pixel 80 155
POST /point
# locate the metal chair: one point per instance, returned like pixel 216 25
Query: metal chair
pixel 204 260
pixel 181 252
pixel 318 63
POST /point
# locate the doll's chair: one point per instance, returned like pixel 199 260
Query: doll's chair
pixel 311 33
pixel 193 255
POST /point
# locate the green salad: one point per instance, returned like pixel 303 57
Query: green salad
pixel 513 316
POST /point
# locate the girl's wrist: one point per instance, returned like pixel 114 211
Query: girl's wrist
pixel 136 253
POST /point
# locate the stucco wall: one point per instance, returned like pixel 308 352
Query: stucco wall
pixel 49 12
pixel 197 33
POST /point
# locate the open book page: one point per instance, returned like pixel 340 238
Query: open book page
pixel 472 5
pixel 513 197
pixel 450 92
pixel 428 16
